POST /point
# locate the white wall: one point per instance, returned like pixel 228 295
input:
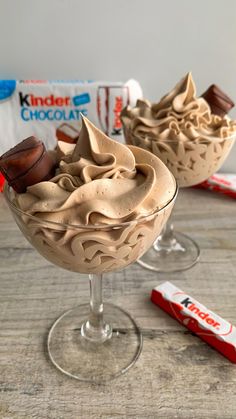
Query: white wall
pixel 154 41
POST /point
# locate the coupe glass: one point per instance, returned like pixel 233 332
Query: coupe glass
pixel 191 163
pixel 93 342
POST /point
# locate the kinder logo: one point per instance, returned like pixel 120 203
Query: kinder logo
pixel 51 100
pixel 117 126
pixel 53 108
pixel 30 99
pixel 204 315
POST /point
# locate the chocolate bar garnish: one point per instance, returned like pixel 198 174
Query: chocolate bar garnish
pixel 27 164
pixel 218 101
pixel 67 133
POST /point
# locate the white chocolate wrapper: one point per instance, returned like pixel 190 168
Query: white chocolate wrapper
pixel 39 107
pixel 224 183
pixel 206 324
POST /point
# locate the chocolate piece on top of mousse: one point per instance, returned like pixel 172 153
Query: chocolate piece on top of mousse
pixel 218 101
pixel 67 133
pixel 27 164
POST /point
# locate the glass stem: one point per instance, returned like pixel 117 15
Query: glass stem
pixel 95 329
pixel 166 241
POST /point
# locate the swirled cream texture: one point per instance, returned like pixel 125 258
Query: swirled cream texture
pixel 99 183
pixel 182 131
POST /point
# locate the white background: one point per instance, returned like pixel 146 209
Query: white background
pixel 154 41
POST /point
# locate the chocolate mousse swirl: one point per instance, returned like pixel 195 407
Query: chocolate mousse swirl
pixel 182 131
pixel 99 185
pixel 99 181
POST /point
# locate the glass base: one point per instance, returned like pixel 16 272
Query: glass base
pixel 181 255
pixel 89 361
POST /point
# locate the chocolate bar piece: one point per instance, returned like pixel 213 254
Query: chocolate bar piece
pixel 27 164
pixel 67 133
pixel 218 101
pixel 210 327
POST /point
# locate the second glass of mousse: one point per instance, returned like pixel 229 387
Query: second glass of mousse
pixel 185 132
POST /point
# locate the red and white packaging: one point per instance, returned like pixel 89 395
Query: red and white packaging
pixel 210 327
pixel 118 99
pixel 102 107
pixel 110 102
pixel 41 107
pixel 221 182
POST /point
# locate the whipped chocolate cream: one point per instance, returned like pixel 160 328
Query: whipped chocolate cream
pixel 98 182
pixel 182 131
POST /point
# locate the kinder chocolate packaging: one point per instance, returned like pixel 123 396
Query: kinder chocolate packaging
pixel 52 109
pixel 205 323
pixel 224 183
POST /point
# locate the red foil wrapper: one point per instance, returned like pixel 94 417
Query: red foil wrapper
pixel 223 183
pixel 210 327
pixel 2 180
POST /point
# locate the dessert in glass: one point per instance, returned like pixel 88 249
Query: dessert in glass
pixel 101 210
pixel 185 132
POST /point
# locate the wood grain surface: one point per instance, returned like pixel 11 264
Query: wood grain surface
pixel 177 375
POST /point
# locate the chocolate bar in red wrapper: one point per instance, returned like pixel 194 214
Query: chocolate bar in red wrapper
pixel 110 102
pixel 118 99
pixel 222 183
pixel 67 133
pixel 216 331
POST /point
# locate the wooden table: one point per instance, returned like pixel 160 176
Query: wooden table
pixel 177 375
